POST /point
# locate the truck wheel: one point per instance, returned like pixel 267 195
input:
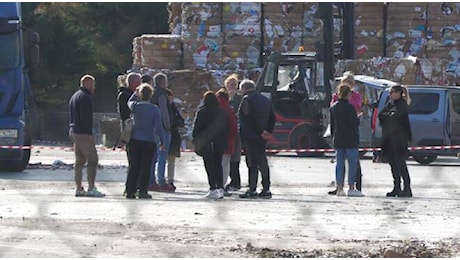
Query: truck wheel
pixel 305 138
pixel 424 160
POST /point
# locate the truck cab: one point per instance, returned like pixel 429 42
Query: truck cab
pixel 289 80
pixel 16 57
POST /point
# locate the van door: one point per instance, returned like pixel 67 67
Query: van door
pixel 454 116
pixel 427 116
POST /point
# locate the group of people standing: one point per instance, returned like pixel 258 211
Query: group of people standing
pixel 218 139
pixel 394 118
pixel 234 118
pixel 155 140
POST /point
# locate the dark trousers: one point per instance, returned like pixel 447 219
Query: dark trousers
pixel 235 179
pixel 397 158
pixel 256 160
pixel 141 154
pixel 213 166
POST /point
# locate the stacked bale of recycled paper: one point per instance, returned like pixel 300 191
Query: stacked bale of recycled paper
pixel 368 29
pixel 174 17
pixel 201 35
pixel 406 29
pixel 241 31
pixel 157 51
pixel 444 40
pixel 312 27
pixel 408 71
pixel 283 28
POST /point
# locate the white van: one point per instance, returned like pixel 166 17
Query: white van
pixel 434 115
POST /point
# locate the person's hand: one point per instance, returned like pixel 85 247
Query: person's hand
pixel 266 135
pixel 162 147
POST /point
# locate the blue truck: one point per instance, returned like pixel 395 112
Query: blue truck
pixel 19 51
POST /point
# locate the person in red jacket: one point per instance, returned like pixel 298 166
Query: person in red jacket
pixel 223 97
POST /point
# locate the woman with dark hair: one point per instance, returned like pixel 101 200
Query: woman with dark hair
pixel 210 134
pixel 396 135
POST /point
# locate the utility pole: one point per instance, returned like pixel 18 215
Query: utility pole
pixel 328 37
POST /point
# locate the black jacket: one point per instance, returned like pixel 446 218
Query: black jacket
pixel 255 115
pixel 396 129
pixel 211 125
pixel 81 112
pixel 123 96
pixel 344 125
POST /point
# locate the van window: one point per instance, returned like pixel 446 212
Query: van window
pixel 423 103
pixel 456 103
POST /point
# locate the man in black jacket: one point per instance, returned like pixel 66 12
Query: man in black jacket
pixel 81 134
pixel 133 80
pixel 256 120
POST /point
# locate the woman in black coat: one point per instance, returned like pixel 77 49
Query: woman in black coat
pixel 210 134
pixel 396 135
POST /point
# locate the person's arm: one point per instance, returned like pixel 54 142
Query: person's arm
pixel 162 103
pixel 158 125
pixel 132 101
pixel 332 121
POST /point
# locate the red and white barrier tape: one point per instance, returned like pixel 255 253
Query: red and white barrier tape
pixel 367 149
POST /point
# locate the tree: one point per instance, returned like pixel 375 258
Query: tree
pixel 81 38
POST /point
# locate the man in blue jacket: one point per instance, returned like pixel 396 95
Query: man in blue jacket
pixel 256 120
pixel 81 134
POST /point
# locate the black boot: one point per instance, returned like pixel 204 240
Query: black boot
pixel 332 192
pixel 396 189
pixel 406 193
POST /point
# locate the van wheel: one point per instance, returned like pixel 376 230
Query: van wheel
pixel 16 166
pixel 424 160
pixel 305 138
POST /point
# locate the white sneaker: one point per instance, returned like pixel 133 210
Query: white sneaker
pixel 341 193
pixel 355 193
pixel 220 193
pixel 212 194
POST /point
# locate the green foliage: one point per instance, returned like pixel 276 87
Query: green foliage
pixel 87 38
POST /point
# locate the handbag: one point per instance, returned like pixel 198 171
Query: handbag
pixel 201 144
pixel 127 128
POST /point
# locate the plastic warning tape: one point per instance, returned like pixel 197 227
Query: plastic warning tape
pixel 318 150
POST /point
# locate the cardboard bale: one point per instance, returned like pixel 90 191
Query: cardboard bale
pixel 283 26
pixel 203 54
pixel 420 71
pixel 241 19
pixel 174 17
pixel 201 20
pixel 158 51
pixel 444 33
pixel 406 29
pixel 368 29
pixel 241 52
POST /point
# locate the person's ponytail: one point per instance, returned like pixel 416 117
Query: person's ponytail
pixel 405 94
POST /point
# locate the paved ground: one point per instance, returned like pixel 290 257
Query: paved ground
pixel 40 217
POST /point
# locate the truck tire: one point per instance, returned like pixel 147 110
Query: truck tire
pixel 424 160
pixel 304 137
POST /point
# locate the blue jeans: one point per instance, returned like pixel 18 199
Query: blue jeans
pixel 160 159
pixel 351 154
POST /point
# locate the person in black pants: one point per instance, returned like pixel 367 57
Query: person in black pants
pixel 210 127
pixel 396 135
pixel 142 146
pixel 257 121
pixel 133 80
